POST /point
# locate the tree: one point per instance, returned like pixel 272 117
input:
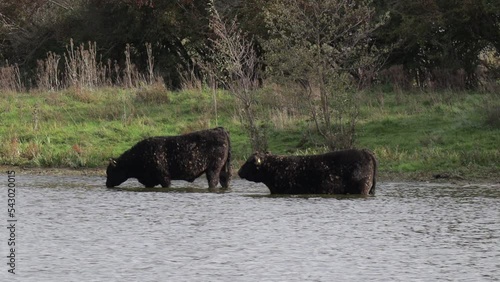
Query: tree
pixel 438 39
pixel 319 45
pixel 177 31
pixel 235 61
pixel 26 28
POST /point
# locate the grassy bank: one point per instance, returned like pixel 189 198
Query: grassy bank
pixel 412 134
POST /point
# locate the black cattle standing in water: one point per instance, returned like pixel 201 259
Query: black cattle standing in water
pixel 158 160
pixel 340 172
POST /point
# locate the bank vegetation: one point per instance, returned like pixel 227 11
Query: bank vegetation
pixel 417 83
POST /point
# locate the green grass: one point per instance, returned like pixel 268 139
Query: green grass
pixel 415 133
pixel 434 132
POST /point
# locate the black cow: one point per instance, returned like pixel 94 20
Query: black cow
pixel 340 172
pixel 158 160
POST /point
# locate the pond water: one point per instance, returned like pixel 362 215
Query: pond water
pixel 75 229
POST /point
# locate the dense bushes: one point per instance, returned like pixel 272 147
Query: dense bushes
pixel 431 44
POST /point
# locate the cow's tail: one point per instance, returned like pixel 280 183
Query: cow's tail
pixel 375 165
pixel 225 175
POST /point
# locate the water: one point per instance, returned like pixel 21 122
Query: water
pixel 75 229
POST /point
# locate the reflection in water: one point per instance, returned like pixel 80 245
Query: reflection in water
pixel 75 229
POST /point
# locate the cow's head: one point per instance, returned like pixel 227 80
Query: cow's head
pixel 252 169
pixel 116 174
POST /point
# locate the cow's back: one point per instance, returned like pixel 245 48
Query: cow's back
pixel 190 155
pixel 355 168
pixel 339 172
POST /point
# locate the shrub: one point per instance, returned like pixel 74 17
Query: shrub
pixel 154 94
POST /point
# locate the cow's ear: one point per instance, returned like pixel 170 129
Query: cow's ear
pixel 112 162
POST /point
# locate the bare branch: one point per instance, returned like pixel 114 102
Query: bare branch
pixel 236 62
pixel 62 4
pixel 323 42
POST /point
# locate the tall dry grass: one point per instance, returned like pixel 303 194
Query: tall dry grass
pixel 10 78
pixel 82 67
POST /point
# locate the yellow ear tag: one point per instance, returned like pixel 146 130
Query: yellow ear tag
pixel 258 161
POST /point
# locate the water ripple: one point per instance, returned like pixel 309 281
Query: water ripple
pixel 74 229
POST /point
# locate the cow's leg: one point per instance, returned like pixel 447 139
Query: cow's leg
pixel 364 181
pixel 165 181
pixel 215 172
pixel 225 176
pixel 212 178
pixel 148 183
pixel 163 177
pixel 366 187
pixel 361 187
pixel 225 173
pixel 224 179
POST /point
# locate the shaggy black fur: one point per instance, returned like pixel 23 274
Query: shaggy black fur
pixel 158 160
pixel 340 172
